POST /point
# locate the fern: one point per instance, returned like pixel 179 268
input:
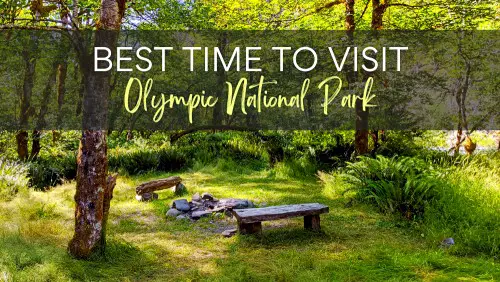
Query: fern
pixel 395 185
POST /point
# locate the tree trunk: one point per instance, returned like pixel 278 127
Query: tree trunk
pixel 458 143
pixel 94 190
pixel 40 124
pixel 108 195
pixel 498 142
pixel 91 186
pixel 22 144
pixel 350 24
pixel 378 14
pixel 25 110
pixel 361 135
pixel 35 144
pixel 62 70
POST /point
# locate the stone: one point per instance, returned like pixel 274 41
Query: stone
pixel 196 197
pixel 250 204
pixel 180 189
pixel 207 196
pixel 228 213
pixel 209 205
pixel 182 217
pixel 173 212
pixel 448 242
pixel 181 205
pixel 235 203
pixel 198 214
pixel 146 197
pixel 197 204
pixel 229 233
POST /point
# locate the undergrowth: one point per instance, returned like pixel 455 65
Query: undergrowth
pixel 457 198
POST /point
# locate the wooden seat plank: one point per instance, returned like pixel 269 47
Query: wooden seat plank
pixel 278 212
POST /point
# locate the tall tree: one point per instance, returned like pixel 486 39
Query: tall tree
pixel 94 189
pixel 26 108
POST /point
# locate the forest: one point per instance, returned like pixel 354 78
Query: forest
pixel 217 140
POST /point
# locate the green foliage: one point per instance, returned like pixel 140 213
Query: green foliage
pixel 46 172
pixel 302 168
pixel 404 185
pixel 206 148
pixel 13 178
pixel 7 150
pixel 402 143
pixel 450 197
pixel 328 149
pixel 40 210
pixel 469 206
pixel 356 243
pixel 142 161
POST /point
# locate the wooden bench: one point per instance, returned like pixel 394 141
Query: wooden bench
pixel 249 220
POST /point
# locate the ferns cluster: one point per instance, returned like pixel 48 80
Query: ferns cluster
pixel 405 185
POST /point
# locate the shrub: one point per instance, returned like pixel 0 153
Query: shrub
pixel 207 148
pixel 469 206
pixel 329 149
pixel 404 185
pixel 49 171
pixel 13 178
pixel 453 197
pixel 133 162
pixel 171 160
pixel 142 161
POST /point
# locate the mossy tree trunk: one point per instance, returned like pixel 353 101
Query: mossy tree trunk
pixel 94 189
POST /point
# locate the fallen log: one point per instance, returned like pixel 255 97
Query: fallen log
pixel 159 184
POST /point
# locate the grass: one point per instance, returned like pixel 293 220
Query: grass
pixel 356 243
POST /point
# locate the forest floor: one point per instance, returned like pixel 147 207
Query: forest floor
pixel 356 243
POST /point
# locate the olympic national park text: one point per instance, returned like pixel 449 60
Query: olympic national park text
pixel 255 97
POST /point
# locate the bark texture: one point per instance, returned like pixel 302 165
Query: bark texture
pixel 94 189
pixel 26 109
pixel 44 108
pixel 361 135
pixel 378 14
pixel 22 144
pixel 62 70
pixel 90 190
pixel 362 117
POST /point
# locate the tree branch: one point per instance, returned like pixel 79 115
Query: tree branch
pixel 414 6
pixel 177 136
pixel 364 11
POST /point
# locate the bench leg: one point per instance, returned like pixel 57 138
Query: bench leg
pixel 250 228
pixel 312 222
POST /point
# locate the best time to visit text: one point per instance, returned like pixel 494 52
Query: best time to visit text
pixel 213 57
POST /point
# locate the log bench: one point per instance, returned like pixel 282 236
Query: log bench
pixel 145 191
pixel 249 220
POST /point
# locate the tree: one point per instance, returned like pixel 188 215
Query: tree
pixel 94 189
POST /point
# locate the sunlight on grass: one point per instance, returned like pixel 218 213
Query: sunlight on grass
pixel 356 243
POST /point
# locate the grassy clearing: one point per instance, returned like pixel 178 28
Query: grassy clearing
pixel 357 242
